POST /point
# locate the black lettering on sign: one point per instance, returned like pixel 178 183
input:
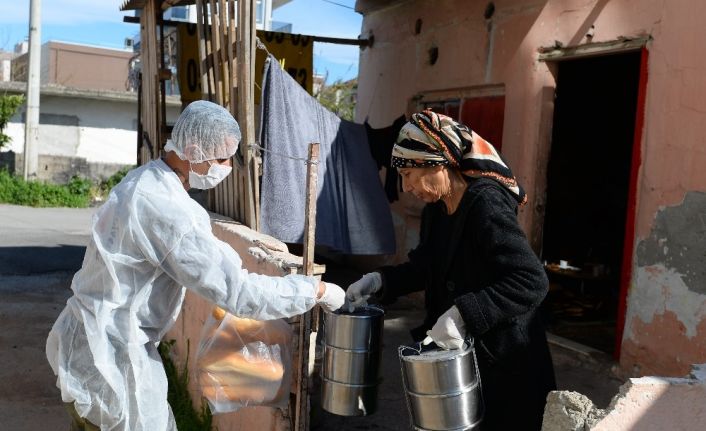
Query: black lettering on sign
pixel 191 29
pixel 302 77
pixel 299 75
pixel 306 40
pixel 279 37
pixel 269 36
pixel 192 78
pixel 296 38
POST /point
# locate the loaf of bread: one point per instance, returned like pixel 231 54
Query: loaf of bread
pixel 234 369
pixel 241 330
pixel 244 362
pixel 238 379
pixel 236 394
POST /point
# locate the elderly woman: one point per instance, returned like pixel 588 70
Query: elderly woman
pixel 478 272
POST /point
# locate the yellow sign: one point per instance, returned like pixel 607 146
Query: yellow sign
pixel 295 53
pixel 188 70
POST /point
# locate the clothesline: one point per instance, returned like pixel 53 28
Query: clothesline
pixel 287 156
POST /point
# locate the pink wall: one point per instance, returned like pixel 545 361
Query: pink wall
pixel 667 284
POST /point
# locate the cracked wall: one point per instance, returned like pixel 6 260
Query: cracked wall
pixel 665 328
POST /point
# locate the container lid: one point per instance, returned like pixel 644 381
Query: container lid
pixel 362 312
pixel 419 352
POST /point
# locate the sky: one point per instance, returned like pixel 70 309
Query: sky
pixel 100 22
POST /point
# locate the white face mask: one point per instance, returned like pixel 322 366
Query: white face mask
pixel 216 174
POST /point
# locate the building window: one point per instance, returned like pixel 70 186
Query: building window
pixel 260 12
pixel 55 119
pixel 179 12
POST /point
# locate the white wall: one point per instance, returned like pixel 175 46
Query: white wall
pixel 101 131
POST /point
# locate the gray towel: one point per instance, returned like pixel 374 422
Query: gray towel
pixel 353 215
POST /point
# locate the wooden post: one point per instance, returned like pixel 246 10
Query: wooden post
pixel 307 336
pixel 150 80
pixel 310 217
pixel 203 58
pixel 246 101
pixel 215 51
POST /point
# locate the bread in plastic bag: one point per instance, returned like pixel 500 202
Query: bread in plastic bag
pixel 244 362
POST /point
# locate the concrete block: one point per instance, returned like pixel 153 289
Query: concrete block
pixel 642 404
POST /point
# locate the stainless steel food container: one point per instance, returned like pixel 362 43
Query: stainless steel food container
pixel 360 330
pixel 442 388
pixel 348 400
pixel 358 367
pixel 351 363
pixel 460 411
pixel 438 371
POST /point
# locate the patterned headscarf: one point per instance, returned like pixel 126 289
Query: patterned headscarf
pixel 431 139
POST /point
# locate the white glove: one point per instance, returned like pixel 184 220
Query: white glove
pixel 333 297
pixel 449 330
pixel 358 293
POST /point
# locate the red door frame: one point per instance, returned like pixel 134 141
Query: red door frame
pixel 628 245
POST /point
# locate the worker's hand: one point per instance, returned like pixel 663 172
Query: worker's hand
pixel 358 293
pixel 449 330
pixel 333 297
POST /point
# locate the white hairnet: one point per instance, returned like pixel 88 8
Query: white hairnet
pixel 208 127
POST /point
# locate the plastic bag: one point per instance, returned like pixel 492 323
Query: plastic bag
pixel 244 362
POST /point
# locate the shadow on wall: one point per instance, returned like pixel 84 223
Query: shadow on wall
pixel 40 260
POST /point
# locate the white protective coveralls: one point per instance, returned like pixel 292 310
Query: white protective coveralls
pixel 148 240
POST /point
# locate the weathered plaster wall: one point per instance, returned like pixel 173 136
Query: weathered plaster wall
pixel 666 318
pixel 260 254
pixel 503 50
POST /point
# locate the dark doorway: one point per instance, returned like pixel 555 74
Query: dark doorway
pixel 588 181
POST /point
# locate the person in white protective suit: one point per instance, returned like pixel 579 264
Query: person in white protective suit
pixel 149 243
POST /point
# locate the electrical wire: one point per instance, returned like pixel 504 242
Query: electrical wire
pixel 339 4
pixel 287 156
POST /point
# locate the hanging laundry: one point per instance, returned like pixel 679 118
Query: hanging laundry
pixel 353 216
pixel 381 142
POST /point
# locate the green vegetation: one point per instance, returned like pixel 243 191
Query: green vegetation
pixel 339 98
pixel 107 185
pixel 8 107
pixel 186 416
pixel 78 193
pixel 15 190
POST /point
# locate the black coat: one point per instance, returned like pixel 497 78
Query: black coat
pixel 479 259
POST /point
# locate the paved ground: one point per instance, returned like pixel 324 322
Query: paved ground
pixel 40 249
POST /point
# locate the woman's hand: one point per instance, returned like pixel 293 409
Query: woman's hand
pixel 449 330
pixel 358 293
